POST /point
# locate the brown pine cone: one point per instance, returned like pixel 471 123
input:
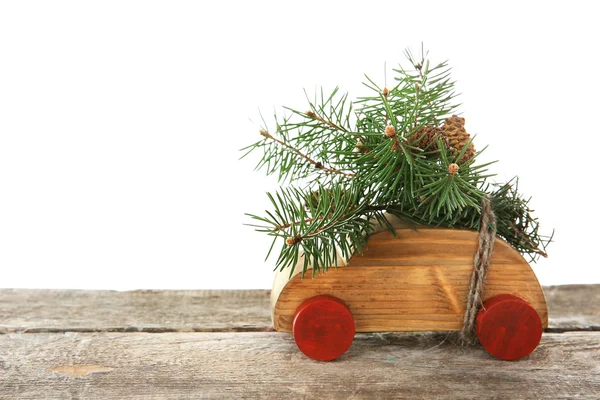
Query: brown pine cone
pixel 457 137
pixel 426 138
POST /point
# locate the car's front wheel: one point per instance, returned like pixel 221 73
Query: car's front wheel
pixel 323 328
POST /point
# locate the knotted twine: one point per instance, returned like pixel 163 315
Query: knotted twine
pixel 481 262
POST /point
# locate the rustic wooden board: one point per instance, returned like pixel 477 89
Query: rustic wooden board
pixel 415 280
pixel 267 365
pixel 571 308
pixel 30 311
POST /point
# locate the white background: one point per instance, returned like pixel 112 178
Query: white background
pixel 120 124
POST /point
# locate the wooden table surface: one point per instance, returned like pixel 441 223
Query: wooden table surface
pixel 69 344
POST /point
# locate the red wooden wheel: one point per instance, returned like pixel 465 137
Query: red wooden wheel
pixel 508 327
pixel 323 328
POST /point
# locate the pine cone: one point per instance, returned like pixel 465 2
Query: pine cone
pixel 457 137
pixel 426 138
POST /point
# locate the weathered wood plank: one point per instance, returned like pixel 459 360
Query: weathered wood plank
pixel 267 365
pixel 571 307
pixel 31 311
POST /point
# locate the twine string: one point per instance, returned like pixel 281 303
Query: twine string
pixel 481 262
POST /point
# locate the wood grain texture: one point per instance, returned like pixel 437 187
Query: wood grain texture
pixel 573 307
pixel 30 311
pixel 414 281
pixel 143 366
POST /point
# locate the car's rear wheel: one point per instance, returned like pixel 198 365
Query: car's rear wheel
pixel 323 328
pixel 508 327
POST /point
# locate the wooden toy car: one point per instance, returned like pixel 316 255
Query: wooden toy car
pixel 415 281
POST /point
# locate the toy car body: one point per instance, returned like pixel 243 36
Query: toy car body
pixel 417 280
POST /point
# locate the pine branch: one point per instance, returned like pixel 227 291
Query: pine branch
pixel 376 165
pixel 288 224
pixel 516 223
pixel 448 188
pixel 315 226
pixel 313 115
pixel 528 242
pixel 316 164
pixel 303 138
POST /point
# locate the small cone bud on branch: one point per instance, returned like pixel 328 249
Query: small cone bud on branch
pixel 293 240
pixel 390 131
pixel 361 148
pixel 453 169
